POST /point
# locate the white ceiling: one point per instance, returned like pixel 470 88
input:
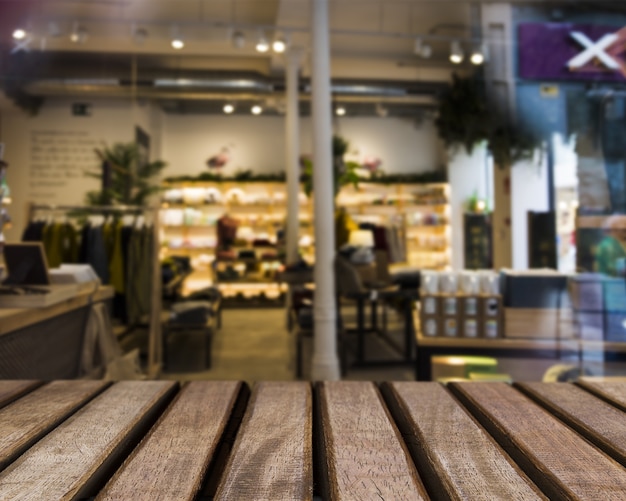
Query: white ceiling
pixel 370 39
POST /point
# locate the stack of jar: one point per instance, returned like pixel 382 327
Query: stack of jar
pixel 463 304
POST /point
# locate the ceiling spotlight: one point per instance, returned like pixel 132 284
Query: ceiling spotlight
pixel 262 45
pixel 279 45
pixel 177 43
pixel 456 52
pixel 256 109
pixel 239 40
pixel 422 49
pixel 228 108
pixel 479 54
pixel 340 111
pixel 78 34
pixel 19 34
pixel 139 34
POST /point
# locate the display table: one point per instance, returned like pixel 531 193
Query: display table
pixel 556 349
pixel 46 342
pixel 404 440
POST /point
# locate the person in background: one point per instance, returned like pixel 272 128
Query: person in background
pixel 611 251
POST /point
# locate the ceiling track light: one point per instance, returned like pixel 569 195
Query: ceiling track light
pixel 228 108
pixel 340 111
pixel 279 45
pixel 238 40
pixel 139 34
pixel 479 54
pixel 177 42
pixel 456 52
pixel 19 34
pixel 256 109
pixel 262 44
pixel 422 49
pixel 79 34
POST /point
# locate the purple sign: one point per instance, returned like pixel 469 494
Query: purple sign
pixel 558 51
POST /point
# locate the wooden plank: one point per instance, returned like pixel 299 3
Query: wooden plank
pixel 363 454
pixel 18 318
pixel 600 422
pixel 76 459
pixel 456 458
pixel 25 421
pixel 562 463
pixel 11 390
pixel 272 456
pixel 613 392
pixel 172 461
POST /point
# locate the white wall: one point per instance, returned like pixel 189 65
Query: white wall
pixel 467 174
pixel 49 153
pixel 565 162
pixel 258 143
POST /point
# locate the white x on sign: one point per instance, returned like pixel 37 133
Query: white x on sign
pixel 593 50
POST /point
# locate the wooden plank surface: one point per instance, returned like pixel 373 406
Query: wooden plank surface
pixel 364 455
pixel 556 458
pixel 456 457
pixel 11 390
pixel 598 421
pixel 73 460
pixel 29 418
pixel 611 391
pixel 172 460
pixel 17 318
pixel 272 456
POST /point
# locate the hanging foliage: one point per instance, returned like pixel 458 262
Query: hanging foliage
pixel 127 178
pixel 466 118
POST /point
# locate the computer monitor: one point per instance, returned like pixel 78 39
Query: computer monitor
pixel 26 264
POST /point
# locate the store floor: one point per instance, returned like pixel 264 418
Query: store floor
pixel 254 345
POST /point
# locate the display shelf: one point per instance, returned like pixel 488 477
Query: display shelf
pixel 421 211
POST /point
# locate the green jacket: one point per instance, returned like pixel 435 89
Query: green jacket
pixel 609 251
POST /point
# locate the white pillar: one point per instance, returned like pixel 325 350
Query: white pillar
pixel 325 365
pixel 292 151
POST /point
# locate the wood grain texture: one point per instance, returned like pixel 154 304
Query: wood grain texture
pixel 598 421
pixel 363 453
pixel 611 391
pixel 557 459
pixel 456 457
pixel 272 455
pixel 29 418
pixel 172 460
pixel 11 390
pixel 67 462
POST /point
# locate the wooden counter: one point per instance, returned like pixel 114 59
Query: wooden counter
pixel 46 343
pixel 17 318
pixel 427 346
pixel 291 440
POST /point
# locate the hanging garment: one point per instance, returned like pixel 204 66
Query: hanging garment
pixel 60 241
pixel 94 253
pixel 34 231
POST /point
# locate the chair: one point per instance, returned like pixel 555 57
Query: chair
pixel 351 286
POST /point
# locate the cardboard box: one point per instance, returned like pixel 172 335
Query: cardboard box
pixel 539 323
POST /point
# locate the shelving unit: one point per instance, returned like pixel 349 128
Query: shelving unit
pixel 189 215
pixel 421 210
pixel 190 212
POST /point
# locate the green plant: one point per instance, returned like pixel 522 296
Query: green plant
pixel 343 172
pixel 126 177
pixel 466 118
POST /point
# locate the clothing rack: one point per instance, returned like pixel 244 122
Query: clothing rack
pixel 155 345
